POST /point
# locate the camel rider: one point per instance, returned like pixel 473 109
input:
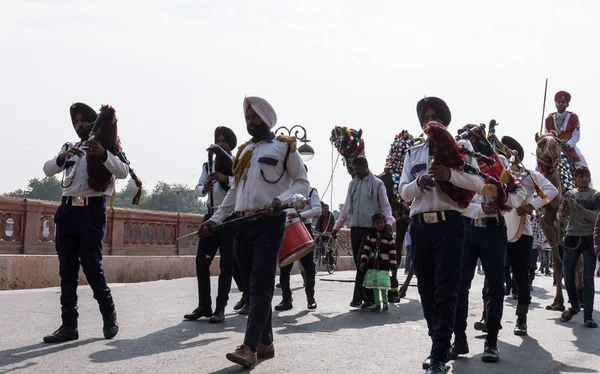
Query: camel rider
pixel 566 126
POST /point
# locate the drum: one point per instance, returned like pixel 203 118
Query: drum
pixel 515 224
pixel 297 242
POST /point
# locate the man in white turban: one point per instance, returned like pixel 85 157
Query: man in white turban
pixel 267 173
pixel 264 110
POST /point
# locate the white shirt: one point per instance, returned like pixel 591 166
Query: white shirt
pixel 416 164
pixel 255 193
pixel 537 202
pixel 79 185
pixel 218 191
pixel 313 208
pixel 514 199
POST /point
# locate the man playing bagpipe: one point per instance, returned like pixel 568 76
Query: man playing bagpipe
pixel 485 239
pixel 214 181
pixel 91 166
pixel 440 190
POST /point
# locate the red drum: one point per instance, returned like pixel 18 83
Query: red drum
pixel 297 242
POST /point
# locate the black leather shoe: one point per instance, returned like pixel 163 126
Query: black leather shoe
pixel 218 316
pixel 199 312
pixel 490 352
pixel 285 304
pixel 240 304
pixel 63 334
pixel 393 297
pixel 459 347
pixel 111 327
pixel 436 367
pixel 245 310
pixel 427 363
pixel 312 304
pixel 521 325
pixel 480 325
pixel 367 305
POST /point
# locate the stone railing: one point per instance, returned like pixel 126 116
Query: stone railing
pixel 27 227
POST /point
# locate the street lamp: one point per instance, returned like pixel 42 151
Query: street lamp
pixel 306 151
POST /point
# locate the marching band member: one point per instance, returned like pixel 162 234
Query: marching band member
pixel 217 183
pixel 518 253
pixel 267 172
pixel 485 239
pixel 307 263
pixel 567 127
pixel 80 224
pixel 436 232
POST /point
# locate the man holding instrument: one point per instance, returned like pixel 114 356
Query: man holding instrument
pixel 266 174
pixel 518 252
pixel 436 229
pixel 216 184
pixel 80 223
pixel 485 239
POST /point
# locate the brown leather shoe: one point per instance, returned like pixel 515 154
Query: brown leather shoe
pixel 243 355
pixel 265 351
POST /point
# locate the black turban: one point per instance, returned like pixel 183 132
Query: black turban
pixel 85 110
pixel 514 146
pixel 228 134
pixel 438 105
pixel 361 161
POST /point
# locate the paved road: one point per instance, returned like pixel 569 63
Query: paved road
pixel 333 339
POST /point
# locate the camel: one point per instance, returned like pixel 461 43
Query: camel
pixel 554 165
pixel 350 144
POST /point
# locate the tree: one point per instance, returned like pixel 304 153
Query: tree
pixel 48 188
pixel 124 198
pixel 173 198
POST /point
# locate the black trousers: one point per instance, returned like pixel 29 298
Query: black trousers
pixel 308 269
pixel 437 252
pixel 519 254
pixel 401 227
pixel 257 245
pixel 79 233
pixel 222 240
pixel 489 245
pixel 357 240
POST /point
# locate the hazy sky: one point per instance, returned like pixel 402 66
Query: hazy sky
pixel 174 70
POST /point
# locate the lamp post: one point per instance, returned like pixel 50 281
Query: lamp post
pixel 306 151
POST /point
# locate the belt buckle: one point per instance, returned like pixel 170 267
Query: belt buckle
pixel 430 217
pixel 78 201
pixel 479 222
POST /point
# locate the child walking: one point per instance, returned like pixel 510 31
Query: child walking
pixel 378 258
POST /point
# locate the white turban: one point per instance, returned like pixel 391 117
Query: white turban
pixel 264 110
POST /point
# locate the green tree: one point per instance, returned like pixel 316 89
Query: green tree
pixel 48 188
pixel 124 198
pixel 173 198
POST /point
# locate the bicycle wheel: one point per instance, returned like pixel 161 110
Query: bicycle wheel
pixel 318 254
pixel 332 262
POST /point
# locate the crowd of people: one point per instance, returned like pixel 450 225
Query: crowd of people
pixel 455 227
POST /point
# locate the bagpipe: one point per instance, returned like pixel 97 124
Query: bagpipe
pixel 447 152
pixel 499 181
pixel 104 130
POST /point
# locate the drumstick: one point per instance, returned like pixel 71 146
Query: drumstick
pixel 227 223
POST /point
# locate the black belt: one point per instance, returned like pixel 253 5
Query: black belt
pixel 486 222
pixel 436 217
pixel 96 201
pixel 244 214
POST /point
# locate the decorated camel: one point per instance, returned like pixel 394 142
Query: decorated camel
pixel 350 144
pixel 554 164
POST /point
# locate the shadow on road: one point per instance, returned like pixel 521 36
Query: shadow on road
pixel 166 340
pixel 517 359
pixel 16 355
